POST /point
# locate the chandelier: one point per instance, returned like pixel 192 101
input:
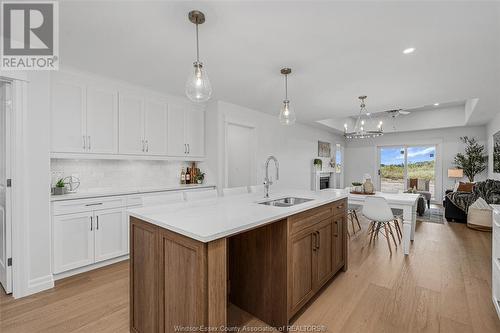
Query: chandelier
pixel 365 126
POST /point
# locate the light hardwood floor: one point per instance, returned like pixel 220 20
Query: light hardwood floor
pixel 443 286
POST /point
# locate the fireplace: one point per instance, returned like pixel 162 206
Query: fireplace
pixel 324 182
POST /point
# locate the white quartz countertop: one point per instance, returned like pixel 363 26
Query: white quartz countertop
pixel 106 192
pixel 211 219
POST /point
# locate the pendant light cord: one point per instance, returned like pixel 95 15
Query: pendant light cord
pixel 197 45
pixel 286 87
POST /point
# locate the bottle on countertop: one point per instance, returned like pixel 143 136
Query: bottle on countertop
pixel 188 176
pixel 183 176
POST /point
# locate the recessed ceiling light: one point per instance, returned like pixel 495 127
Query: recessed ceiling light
pixel 436 104
pixel 409 50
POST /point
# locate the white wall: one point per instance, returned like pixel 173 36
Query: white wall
pixel 492 128
pixel 95 174
pixel 294 146
pixel 361 155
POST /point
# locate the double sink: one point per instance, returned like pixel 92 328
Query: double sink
pixel 285 202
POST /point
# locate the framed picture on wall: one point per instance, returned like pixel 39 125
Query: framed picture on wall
pixel 324 149
pixel 496 152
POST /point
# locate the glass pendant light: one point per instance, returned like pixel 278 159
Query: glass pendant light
pixel 287 114
pixel 198 87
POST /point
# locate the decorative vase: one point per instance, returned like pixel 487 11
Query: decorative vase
pixel 59 190
pixel 368 186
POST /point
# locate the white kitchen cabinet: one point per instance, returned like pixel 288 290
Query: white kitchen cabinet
pixel 68 116
pixel 84 118
pixel 102 120
pixel 73 241
pixel 155 127
pixel 111 234
pixel 195 132
pixel 131 124
pixel 186 130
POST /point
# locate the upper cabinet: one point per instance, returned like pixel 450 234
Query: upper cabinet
pixel 84 119
pixel 90 118
pixel 186 130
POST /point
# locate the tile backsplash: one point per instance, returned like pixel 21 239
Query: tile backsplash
pixel 118 173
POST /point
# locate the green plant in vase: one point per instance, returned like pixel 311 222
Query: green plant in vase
pixel 60 187
pixel 318 164
pixel 474 161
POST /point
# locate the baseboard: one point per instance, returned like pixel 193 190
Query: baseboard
pixel 39 284
pixel 89 267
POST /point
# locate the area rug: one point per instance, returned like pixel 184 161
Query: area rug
pixel 432 215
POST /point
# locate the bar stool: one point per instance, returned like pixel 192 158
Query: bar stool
pixel 353 215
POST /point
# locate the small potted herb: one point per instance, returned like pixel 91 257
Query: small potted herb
pixel 357 187
pixel 60 187
pixel 318 164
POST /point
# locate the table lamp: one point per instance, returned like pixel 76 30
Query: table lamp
pixel 455 173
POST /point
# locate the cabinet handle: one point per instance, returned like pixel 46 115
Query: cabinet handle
pixel 91 228
pixel 319 239
pixel 84 142
pixel 185 148
pixel 94 204
pixel 89 142
pixel 97 220
pixel 315 241
pixel 189 149
pixel 142 142
pixel 147 146
pixel 336 234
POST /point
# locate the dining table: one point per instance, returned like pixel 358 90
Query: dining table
pixel 405 202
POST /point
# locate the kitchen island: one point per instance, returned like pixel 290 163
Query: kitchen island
pixel 190 260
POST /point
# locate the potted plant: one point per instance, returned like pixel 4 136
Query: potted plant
pixel 474 160
pixel 60 187
pixel 200 176
pixel 357 187
pixel 318 164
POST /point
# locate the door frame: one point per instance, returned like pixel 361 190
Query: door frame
pixel 253 152
pixel 438 167
pixel 19 215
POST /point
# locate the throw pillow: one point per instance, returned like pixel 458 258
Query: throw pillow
pixel 465 187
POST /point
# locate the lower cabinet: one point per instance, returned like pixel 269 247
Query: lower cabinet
pixel 81 239
pixel 73 241
pixel 111 234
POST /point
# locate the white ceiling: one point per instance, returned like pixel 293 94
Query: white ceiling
pixel 337 51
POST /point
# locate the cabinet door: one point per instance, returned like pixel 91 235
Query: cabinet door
pixel 338 242
pixel 175 130
pixel 155 127
pixel 102 120
pixel 110 234
pixel 131 124
pixel 195 132
pixel 302 262
pixel 67 116
pixel 73 239
pixel 324 252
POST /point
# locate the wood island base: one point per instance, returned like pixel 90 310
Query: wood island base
pixel 181 284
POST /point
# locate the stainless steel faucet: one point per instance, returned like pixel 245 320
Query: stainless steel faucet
pixel 267 181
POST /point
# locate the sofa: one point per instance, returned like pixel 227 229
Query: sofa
pixel 456 204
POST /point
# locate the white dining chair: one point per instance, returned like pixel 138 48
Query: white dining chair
pixel 377 210
pixel 229 191
pixel 162 199
pixel 200 195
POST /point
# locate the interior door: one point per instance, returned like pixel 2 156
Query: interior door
pixel 102 120
pixel 195 132
pixel 111 233
pixel 68 116
pixel 73 241
pixel 131 124
pixel 176 141
pixel 155 127
pixel 5 189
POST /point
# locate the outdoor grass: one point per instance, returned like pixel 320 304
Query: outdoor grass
pixel 418 170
